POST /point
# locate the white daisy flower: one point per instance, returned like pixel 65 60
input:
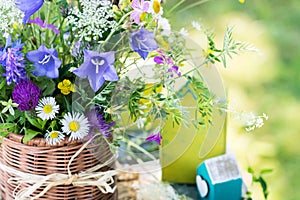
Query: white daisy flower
pixel 156 9
pixel 47 108
pixel 54 137
pixel 75 124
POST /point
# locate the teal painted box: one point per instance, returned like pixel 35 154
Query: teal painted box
pixel 219 178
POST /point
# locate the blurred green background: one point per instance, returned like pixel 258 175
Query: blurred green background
pixel 267 82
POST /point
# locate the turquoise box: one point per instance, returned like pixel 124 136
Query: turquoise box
pixel 219 178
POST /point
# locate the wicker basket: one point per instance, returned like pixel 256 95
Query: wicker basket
pixel 36 157
pixel 1 176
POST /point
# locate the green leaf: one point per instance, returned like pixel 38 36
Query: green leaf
pixel 264 186
pixel 48 88
pixel 2 84
pixel 250 170
pixel 4 126
pixel 52 125
pixel 42 123
pixel 266 171
pixel 29 134
pixel 33 121
pixel 4 134
pixel 76 106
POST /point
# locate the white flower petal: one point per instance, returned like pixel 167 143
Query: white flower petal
pixel 54 140
pixel 50 102
pixel 82 123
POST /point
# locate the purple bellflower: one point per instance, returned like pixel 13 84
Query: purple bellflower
pixel 143 42
pixel 139 7
pixel 46 62
pixel 12 60
pixel 43 25
pixel 26 94
pixel 98 67
pixel 155 137
pixel 28 7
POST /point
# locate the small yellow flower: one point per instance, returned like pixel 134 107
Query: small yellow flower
pixel 144 101
pixel 242 1
pixel 146 105
pixel 207 52
pixel 149 88
pixel 158 88
pixel 66 87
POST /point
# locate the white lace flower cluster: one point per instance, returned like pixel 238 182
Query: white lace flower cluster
pixel 94 19
pixel 10 15
pixel 252 121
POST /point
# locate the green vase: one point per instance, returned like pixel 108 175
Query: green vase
pixel 184 148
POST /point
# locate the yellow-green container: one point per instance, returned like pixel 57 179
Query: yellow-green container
pixel 184 148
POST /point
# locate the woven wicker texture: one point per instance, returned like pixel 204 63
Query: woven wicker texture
pixel 1 176
pixel 39 158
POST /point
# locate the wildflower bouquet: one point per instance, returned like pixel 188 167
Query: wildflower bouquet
pixel 76 69
pixel 68 69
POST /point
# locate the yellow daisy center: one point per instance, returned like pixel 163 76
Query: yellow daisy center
pixel 74 126
pixel 156 6
pixel 54 134
pixel 47 109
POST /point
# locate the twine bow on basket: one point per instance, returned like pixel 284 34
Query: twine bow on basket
pixel 90 177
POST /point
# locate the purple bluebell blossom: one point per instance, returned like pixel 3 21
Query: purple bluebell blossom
pixel 12 60
pixel 26 94
pixel 98 67
pixel 143 42
pixel 28 7
pixel 155 137
pixel 98 123
pixel 139 7
pixel 44 25
pixel 45 61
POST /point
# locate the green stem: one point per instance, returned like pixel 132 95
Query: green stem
pixel 55 35
pixel 112 32
pixel 132 144
pixel 47 21
pixel 194 69
pixel 197 3
pixel 175 7
pixel 33 35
